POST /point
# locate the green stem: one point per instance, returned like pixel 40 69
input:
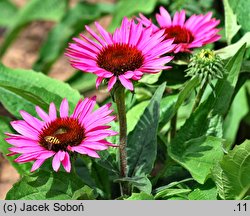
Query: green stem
pixel 173 126
pixel 119 96
pixel 199 95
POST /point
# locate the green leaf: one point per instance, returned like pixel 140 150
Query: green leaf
pixel 51 10
pixel 204 192
pixel 134 115
pixel 190 147
pixel 247 198
pixel 129 8
pixel 166 193
pixel 8 13
pixel 44 185
pixel 231 50
pixel 140 182
pixel 198 155
pixel 231 26
pixel 234 117
pixel 82 81
pixel 23 89
pixel 142 141
pixel 5 127
pixel 169 111
pixel 150 78
pixel 231 175
pixel 85 193
pixel 242 9
pixel 71 24
pixel 140 196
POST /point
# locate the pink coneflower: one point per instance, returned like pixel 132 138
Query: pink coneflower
pixel 83 132
pixel 123 56
pixel 196 31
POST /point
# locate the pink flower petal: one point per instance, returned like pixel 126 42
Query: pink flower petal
pixel 98 81
pixel 32 121
pixel 111 83
pixel 37 164
pixel 43 115
pixel 64 108
pixel 126 83
pixel 23 128
pixel 56 162
pixel 52 112
pixel 66 162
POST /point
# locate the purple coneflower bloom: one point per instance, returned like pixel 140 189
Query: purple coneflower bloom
pixel 83 132
pixel 123 56
pixel 194 32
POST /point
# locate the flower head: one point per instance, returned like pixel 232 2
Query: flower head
pixel 83 132
pixel 123 56
pixel 196 31
pixel 206 65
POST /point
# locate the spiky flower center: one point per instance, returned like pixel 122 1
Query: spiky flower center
pixel 207 65
pixel 60 133
pixel 180 34
pixel 120 58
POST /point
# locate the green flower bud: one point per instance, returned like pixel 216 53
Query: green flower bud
pixel 206 65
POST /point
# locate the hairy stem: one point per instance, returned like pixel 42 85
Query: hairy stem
pixel 119 96
pixel 199 95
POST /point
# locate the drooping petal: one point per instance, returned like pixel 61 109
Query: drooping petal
pixel 56 162
pixel 66 162
pixel 111 83
pixel 126 83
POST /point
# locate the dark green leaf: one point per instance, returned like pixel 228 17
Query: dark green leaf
pixel 48 186
pixel 231 175
pixel 5 127
pixel 23 89
pixel 72 23
pixel 142 141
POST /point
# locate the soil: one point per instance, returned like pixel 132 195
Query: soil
pixel 22 54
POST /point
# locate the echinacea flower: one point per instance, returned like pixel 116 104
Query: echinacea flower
pixel 123 56
pixel 194 32
pixel 83 132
